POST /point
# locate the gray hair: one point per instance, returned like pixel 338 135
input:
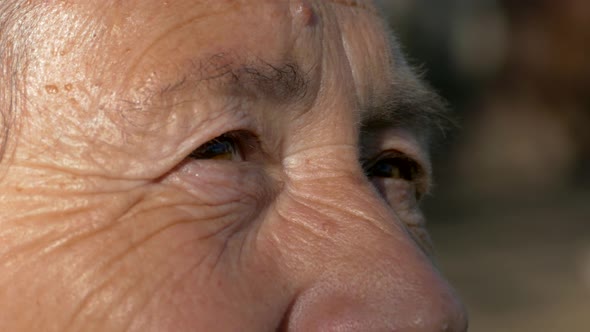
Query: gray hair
pixel 12 60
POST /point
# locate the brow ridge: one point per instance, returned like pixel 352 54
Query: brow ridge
pixel 283 81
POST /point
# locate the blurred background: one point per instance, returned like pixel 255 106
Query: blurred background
pixel 510 214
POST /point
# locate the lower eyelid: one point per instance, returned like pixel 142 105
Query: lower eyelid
pixel 399 194
pixel 210 172
pixel 220 180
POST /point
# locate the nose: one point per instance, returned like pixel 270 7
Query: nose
pixel 357 267
pixel 372 300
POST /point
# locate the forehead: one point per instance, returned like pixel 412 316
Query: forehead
pixel 302 30
pixel 340 45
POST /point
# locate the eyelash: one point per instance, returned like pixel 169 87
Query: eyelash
pixel 239 145
pixel 393 165
pixel 234 145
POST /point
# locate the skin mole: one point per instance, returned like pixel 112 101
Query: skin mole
pixel 305 13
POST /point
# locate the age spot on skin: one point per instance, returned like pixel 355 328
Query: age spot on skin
pixel 51 89
pixel 73 102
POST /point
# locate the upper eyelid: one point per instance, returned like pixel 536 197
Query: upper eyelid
pixel 423 179
pixel 368 154
pixel 385 154
pixel 395 154
pixel 376 141
pixel 403 143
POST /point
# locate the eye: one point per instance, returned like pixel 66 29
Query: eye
pixel 402 181
pixel 393 171
pixel 394 167
pixel 224 147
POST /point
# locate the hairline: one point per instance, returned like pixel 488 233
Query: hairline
pixel 12 66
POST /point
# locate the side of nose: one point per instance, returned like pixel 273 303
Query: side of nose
pixel 357 267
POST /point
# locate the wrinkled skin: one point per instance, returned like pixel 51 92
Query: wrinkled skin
pixel 110 222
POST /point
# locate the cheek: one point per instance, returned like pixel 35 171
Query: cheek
pixel 195 235
pixel 203 202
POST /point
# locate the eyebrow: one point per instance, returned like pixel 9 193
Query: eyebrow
pixel 409 104
pixel 412 105
pixel 282 82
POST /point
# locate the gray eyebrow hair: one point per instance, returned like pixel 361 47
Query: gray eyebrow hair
pixel 412 105
pixel 281 82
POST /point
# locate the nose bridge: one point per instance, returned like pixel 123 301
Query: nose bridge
pixel 360 268
pixel 337 202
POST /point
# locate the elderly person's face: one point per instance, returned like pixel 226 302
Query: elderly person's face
pixel 215 165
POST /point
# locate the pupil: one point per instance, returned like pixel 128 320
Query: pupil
pixel 393 168
pixel 386 169
pixel 219 148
